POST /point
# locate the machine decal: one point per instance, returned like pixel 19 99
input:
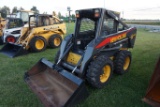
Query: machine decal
pixel 111 39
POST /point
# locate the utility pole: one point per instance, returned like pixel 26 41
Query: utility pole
pixel 69 11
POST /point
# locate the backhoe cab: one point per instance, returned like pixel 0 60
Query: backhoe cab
pixel 98 47
pixel 41 31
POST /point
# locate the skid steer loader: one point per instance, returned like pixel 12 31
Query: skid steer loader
pixel 98 47
pixel 152 96
pixel 41 31
pixel 10 26
pixel 11 31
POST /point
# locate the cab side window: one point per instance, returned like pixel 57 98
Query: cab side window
pixel 121 27
pixel 109 23
pixel 108 26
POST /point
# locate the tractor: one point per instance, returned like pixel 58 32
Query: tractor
pixel 41 31
pixel 98 47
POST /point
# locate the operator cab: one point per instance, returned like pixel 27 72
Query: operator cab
pixel 95 23
pixel 13 23
pixel 86 27
pixel 111 25
pixel 92 26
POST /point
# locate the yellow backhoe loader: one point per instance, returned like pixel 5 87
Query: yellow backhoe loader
pixel 41 31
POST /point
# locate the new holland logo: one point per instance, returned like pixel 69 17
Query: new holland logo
pixel 111 40
pixel 116 38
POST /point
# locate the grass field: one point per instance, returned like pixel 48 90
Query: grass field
pixel 144 23
pixel 122 91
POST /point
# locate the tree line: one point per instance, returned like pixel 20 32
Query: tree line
pixel 5 10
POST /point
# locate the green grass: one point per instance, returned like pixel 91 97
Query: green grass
pixel 141 22
pixel 122 91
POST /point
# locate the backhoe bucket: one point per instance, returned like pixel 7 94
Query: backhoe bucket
pixel 54 86
pixel 13 50
pixel 152 96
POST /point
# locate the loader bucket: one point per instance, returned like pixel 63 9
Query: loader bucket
pixel 55 87
pixel 13 50
pixel 152 96
pixel 1 41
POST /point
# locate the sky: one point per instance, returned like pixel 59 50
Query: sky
pixel 135 9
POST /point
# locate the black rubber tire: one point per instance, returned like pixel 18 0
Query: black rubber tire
pixel 95 70
pixel 120 62
pixel 10 39
pixel 32 44
pixel 51 41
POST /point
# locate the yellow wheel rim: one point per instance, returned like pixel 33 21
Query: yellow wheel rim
pixel 106 74
pixel 126 63
pixel 57 41
pixel 39 44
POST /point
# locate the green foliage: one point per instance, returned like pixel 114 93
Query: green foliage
pixel 34 8
pixel 21 8
pixel 122 91
pixel 14 10
pixel 59 15
pixel 73 16
pixel 4 11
